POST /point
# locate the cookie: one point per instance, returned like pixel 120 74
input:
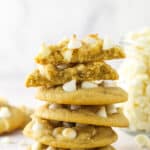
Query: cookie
pixel 47 133
pixel 12 118
pixel 83 114
pixel 44 147
pixel 49 75
pixel 76 51
pixel 92 96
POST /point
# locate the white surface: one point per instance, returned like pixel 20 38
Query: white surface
pixel 26 24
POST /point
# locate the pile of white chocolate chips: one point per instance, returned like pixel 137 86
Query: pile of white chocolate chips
pixel 135 79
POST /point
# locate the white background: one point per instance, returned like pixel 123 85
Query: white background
pixel 25 24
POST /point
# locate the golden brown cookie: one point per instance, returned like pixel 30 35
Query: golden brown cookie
pixel 76 137
pixel 44 147
pixel 11 118
pixel 75 51
pixel 50 75
pixel 83 114
pixel 92 96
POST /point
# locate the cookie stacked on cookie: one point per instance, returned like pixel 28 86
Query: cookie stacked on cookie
pixel 77 86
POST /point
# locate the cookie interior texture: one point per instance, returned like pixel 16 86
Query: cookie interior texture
pixel 50 76
pixel 86 53
pixel 92 96
pixel 89 137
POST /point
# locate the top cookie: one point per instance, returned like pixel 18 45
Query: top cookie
pixel 90 49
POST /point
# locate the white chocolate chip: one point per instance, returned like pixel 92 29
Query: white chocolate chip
pixel 56 132
pixel 89 40
pixel 37 126
pixel 102 112
pixel 45 50
pixel 98 81
pixel 87 85
pixel 111 109
pixel 51 148
pixel 75 107
pixel 69 133
pixel 41 69
pixel 68 55
pixel 4 112
pixel 54 106
pixel 70 86
pixel 36 146
pixel 74 43
pixel 143 141
pixel 62 66
pixel 107 44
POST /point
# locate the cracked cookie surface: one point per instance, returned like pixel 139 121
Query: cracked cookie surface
pixel 50 75
pixel 85 52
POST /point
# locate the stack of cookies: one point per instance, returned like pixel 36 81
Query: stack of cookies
pixel 77 86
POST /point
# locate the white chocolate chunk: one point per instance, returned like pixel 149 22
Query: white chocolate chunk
pixel 75 107
pixel 74 43
pixel 36 146
pixel 45 51
pixel 68 55
pixel 5 112
pixel 37 126
pixel 98 81
pixel 41 69
pixel 107 44
pixel 69 133
pixel 54 106
pixel 111 109
pixel 89 40
pixel 70 86
pixel 102 112
pixel 142 140
pixel 62 66
pixel 56 132
pixel 51 148
pixel 87 85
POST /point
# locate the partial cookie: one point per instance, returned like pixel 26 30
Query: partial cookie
pixel 96 115
pixel 75 137
pixel 90 49
pixel 50 75
pixel 91 96
pixel 39 146
pixel 12 118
